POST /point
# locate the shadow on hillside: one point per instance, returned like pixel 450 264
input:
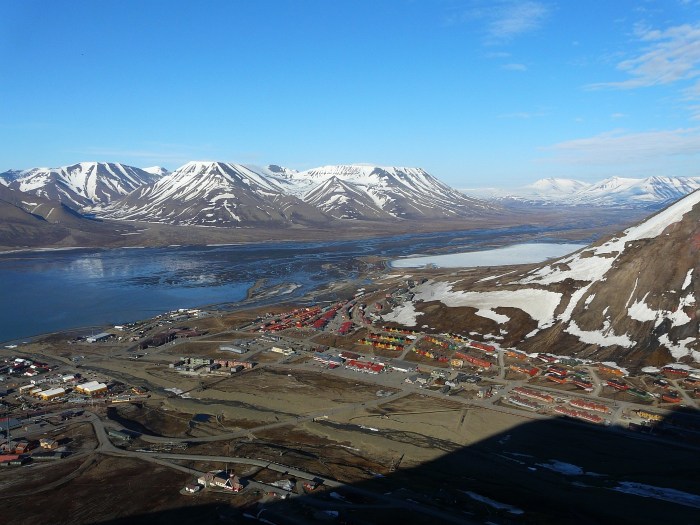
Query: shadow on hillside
pixel 554 471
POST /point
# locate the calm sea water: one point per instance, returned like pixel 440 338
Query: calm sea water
pixel 57 290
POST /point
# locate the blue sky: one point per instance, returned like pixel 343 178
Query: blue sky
pixel 477 92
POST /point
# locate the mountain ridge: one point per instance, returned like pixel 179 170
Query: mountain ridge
pixel 630 297
pixel 79 185
pixel 646 193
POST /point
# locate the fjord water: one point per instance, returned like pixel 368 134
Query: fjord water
pixel 48 291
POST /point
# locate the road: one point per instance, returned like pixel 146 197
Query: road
pixel 105 446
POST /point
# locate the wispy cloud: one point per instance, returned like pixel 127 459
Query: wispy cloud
pixel 514 67
pixel 511 19
pixel 503 20
pixel 669 56
pixel 617 115
pixel 620 147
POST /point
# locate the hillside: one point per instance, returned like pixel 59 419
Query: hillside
pixel 630 297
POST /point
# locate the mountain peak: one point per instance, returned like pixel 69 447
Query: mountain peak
pixel 83 183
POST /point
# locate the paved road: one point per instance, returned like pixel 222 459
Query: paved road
pixel 105 446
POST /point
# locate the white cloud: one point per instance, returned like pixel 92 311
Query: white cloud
pixel 620 147
pixel 503 20
pixel 514 67
pixel 672 55
pixel 511 19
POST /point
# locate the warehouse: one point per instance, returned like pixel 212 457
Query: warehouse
pixel 328 359
pixel 92 388
pixel 402 366
pixel 99 337
pixel 52 393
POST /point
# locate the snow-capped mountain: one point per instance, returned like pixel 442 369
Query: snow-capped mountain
pixel 157 171
pixel 83 184
pixel 218 193
pixel 9 176
pixel 631 298
pixel 543 190
pixel 649 193
pixel 403 193
pixel 214 194
pixel 343 200
pixel 556 187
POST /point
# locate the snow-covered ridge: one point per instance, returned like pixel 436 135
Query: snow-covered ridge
pixel 82 184
pixel 157 171
pixel 652 192
pixel 196 192
pixel 202 189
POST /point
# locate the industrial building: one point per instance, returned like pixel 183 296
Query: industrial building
pixel 52 393
pixel 99 337
pixel 92 388
pixel 328 359
pixel 283 351
pixel 402 366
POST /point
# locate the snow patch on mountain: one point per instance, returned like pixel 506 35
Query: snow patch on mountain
pixel 538 304
pixel 592 264
pixel 599 337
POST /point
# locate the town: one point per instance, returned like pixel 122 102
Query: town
pixel 238 382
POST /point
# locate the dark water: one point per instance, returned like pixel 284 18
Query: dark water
pixel 48 291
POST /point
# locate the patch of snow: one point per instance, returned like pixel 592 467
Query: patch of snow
pixel 688 279
pixel 562 467
pixel 680 349
pixel 538 304
pixel 404 314
pixel 597 337
pixel 573 301
pixel 651 370
pixel 492 277
pixel 493 503
pixel 662 493
pixel 490 314
pixel 640 311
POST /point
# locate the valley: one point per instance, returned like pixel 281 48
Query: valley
pixel 310 410
pixel 304 379
pixel 449 394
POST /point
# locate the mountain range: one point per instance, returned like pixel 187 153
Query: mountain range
pixel 650 193
pixel 226 194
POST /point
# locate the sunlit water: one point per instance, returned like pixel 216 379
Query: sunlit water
pixel 56 290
